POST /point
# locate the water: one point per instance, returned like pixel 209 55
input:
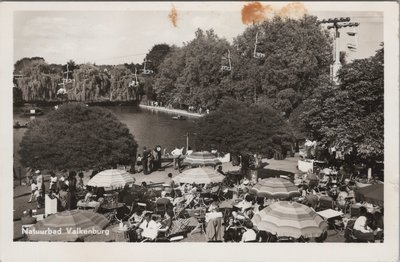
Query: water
pixel 150 128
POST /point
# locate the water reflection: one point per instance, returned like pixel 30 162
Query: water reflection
pixel 150 128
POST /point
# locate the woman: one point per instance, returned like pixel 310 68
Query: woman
pixel 71 197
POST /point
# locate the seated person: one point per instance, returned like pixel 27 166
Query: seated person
pixel 89 195
pixel 245 204
pixel 250 234
pixel 150 228
pixel 361 230
pixel 27 218
pixel 341 199
pixel 166 223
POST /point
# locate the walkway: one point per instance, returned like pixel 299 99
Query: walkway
pixel 168 110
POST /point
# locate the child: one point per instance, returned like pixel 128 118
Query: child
pixel 34 192
pixel 139 163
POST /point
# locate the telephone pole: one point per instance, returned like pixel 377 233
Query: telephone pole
pixel 337 24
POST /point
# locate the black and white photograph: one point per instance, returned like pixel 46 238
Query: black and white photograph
pixel 216 124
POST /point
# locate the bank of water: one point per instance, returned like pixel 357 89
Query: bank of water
pixel 150 128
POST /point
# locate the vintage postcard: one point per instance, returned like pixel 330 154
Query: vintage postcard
pixel 182 131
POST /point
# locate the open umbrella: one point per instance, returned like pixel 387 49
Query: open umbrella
pixel 372 194
pixel 111 178
pixel 203 158
pixel 68 226
pixel 290 219
pixel 200 175
pixel 275 188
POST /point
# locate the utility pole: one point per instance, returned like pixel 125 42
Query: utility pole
pixel 337 23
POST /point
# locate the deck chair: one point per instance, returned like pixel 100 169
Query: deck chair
pixel 162 205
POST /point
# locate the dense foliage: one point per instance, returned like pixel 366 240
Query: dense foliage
pixel 243 128
pixel 296 52
pixel 350 116
pixel 40 81
pixel 77 137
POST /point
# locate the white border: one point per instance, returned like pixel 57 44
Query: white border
pixel 389 251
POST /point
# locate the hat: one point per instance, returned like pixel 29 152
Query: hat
pixel 37 171
pixel 245 182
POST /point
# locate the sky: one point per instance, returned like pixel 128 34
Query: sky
pixel 116 37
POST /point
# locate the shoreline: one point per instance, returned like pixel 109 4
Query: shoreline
pixel 173 111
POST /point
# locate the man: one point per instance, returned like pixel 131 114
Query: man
pixel 145 160
pixel 34 192
pixel 176 153
pixel 250 235
pixel 361 230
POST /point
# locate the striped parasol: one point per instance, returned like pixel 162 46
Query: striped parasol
pixel 200 175
pixel 275 188
pixel 68 226
pixel 111 178
pixel 203 158
pixel 372 194
pixel 290 219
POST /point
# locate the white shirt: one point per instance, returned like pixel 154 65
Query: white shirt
pixel 361 225
pixel 151 230
pixel 249 235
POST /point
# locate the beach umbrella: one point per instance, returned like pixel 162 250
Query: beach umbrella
pixel 290 219
pixel 111 178
pixel 200 175
pixel 68 226
pixel 275 188
pixel 203 158
pixel 372 194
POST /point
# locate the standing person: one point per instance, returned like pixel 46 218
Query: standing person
pixel 34 192
pixel 41 189
pixel 53 181
pixel 145 161
pixel 139 163
pixel 71 197
pixel 176 153
pixel 29 176
pixel 80 185
pixel 157 154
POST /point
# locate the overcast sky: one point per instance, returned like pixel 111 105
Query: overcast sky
pixel 115 37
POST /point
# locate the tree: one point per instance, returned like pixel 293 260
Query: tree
pixel 242 128
pixel 296 53
pixel 77 137
pixel 190 76
pixel 349 116
pixel 156 56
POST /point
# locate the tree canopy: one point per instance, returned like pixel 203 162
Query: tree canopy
pixel 77 137
pixel 243 128
pixel 349 116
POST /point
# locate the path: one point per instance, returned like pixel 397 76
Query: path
pixel 168 110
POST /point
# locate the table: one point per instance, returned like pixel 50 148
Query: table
pixel 119 233
pixel 329 213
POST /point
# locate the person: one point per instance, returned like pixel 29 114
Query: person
pixel 139 163
pixel 176 153
pixel 150 230
pixel 250 235
pixel 71 197
pixel 29 176
pixel 170 185
pixel 341 199
pixel 34 192
pixel 62 198
pixel 41 189
pixel 79 184
pixel 89 195
pixel 145 161
pixel 27 218
pixel 361 230
pixel 189 151
pixel 166 223
pixel 53 181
